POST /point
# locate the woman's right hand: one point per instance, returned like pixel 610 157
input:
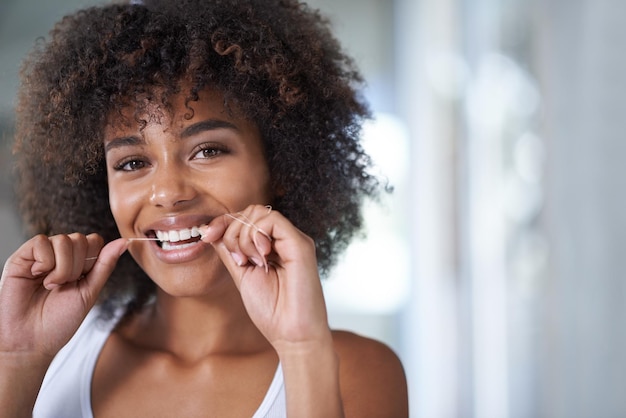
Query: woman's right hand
pixel 47 288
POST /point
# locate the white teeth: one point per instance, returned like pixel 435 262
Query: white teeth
pixel 184 234
pixel 174 236
pixel 169 246
pixel 178 235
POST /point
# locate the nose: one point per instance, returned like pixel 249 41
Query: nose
pixel 170 187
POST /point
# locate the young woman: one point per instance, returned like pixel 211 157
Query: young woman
pixel 188 170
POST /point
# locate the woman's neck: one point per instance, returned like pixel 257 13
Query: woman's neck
pixel 193 328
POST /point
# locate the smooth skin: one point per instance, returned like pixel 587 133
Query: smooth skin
pixel 228 308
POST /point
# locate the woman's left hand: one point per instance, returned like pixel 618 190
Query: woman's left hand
pixel 273 264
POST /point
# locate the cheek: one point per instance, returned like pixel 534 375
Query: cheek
pixel 264 186
pixel 116 206
pixel 255 175
pixel 248 187
pixel 123 203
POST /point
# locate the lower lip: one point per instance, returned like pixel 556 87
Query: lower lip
pixel 184 254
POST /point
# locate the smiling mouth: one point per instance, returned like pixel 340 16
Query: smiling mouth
pixel 176 239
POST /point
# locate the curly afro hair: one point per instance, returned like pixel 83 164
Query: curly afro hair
pixel 276 60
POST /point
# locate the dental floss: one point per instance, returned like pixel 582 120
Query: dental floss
pixel 246 221
pixel 129 239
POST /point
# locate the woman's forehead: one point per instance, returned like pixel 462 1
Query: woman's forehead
pixel 157 106
pixel 175 111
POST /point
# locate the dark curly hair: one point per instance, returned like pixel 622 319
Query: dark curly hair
pixel 276 60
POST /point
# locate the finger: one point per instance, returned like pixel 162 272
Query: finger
pixel 71 257
pixel 39 254
pixel 95 279
pixel 94 245
pixel 276 238
pixel 254 242
pixel 64 269
pixel 79 252
pixel 31 260
pixel 231 239
pixel 233 265
pixel 240 235
pixel 216 232
pixel 263 245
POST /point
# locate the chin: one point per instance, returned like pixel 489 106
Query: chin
pixel 193 281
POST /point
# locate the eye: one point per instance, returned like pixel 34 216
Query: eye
pixel 130 164
pixel 207 151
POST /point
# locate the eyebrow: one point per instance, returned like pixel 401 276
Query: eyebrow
pixel 123 141
pixel 205 125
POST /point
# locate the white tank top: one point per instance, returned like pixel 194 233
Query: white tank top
pixel 66 388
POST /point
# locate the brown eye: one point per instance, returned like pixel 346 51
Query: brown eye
pixel 130 165
pixel 208 151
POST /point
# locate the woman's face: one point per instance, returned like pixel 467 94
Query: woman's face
pixel 179 171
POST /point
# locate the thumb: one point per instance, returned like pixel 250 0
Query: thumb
pixel 94 281
pixel 234 264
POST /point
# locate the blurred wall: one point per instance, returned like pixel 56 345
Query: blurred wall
pixel 581 343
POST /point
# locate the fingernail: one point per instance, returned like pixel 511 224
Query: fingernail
pixel 51 286
pixel 237 259
pixel 204 231
pixel 256 261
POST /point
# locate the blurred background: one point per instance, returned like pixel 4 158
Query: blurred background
pixel 495 270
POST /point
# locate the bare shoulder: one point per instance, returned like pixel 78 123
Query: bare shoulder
pixel 373 383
